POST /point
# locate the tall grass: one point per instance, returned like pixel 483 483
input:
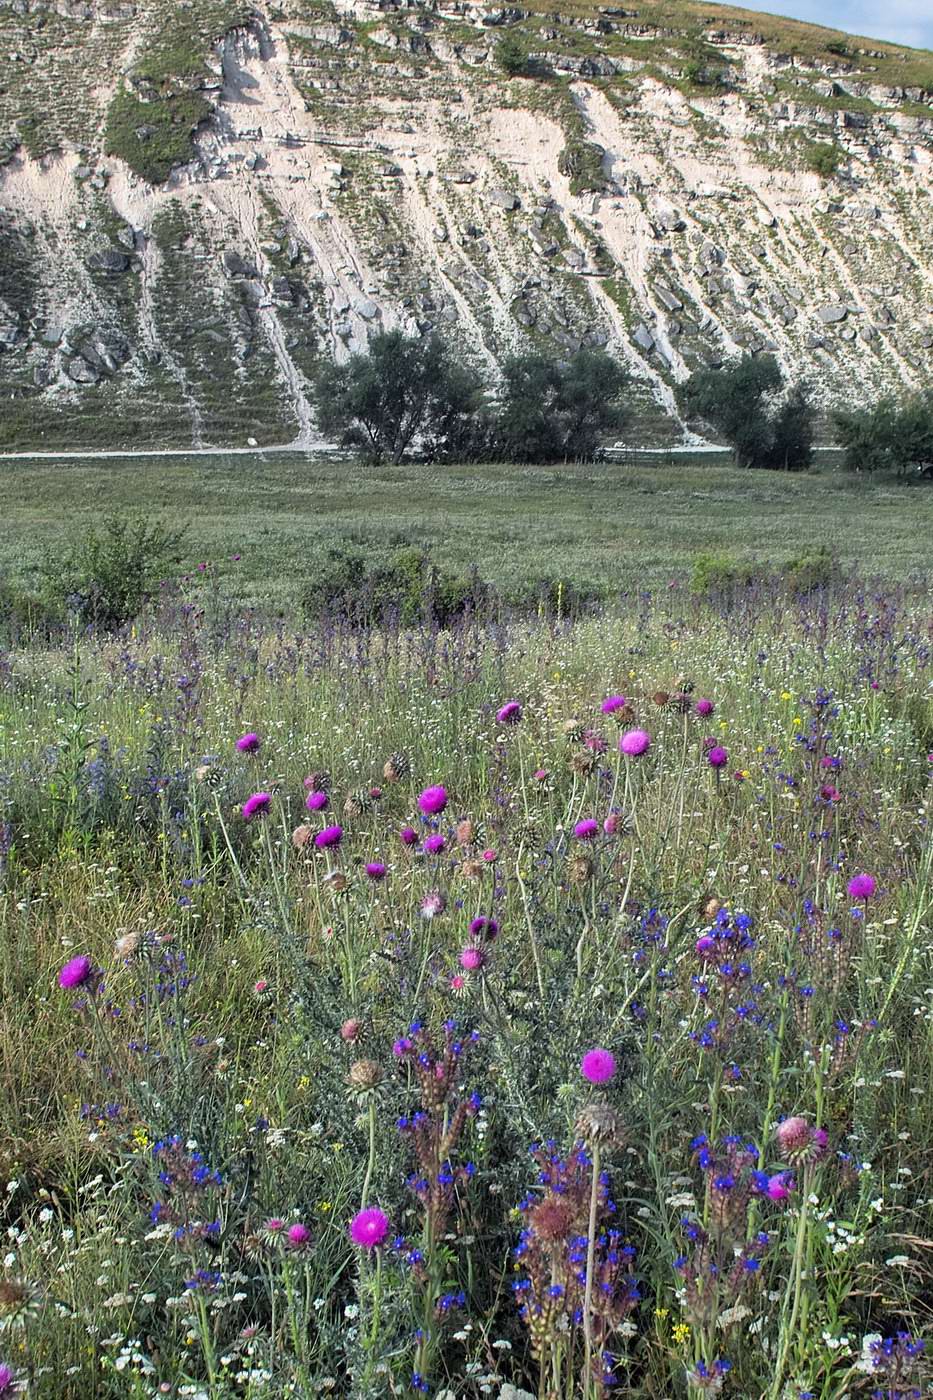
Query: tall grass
pixel 268 1034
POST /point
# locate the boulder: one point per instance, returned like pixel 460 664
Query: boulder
pixel 829 315
pixel 643 337
pixel 236 266
pixel 503 199
pixel 667 298
pixel 110 261
pixel 367 309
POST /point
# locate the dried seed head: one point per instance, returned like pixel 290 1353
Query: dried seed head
pixel 464 832
pixel 396 768
pixel 579 869
pixel 127 945
pixel 301 836
pixel 364 1074
pixel 583 762
pixel 660 698
pixel 336 881
pixel 572 730
pixel 598 1122
pixel 471 869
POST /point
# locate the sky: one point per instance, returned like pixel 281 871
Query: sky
pixel 900 21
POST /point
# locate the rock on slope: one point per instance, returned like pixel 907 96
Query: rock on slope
pixel 186 229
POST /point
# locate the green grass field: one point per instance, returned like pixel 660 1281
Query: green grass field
pixel 610 524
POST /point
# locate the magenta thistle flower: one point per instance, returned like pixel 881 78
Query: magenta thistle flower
pixel 779 1187
pixel 861 887
pixel 8 1386
pixel 612 823
pixel 316 801
pixel 330 837
pixel 433 800
pixel 704 708
pixel 248 743
pixel 472 958
pixel 255 806
pixel 274 1225
pixel 613 703
pixel 717 757
pixel 298 1235
pixel 75 973
pixel 598 1065
pixel 489 856
pixel 586 829
pixel 706 945
pixel 369 1228
pixel 540 775
pixel 434 844
pixel 409 836
pixel 402 1047
pixel 635 742
pixel 510 713
pixel 376 870
pixel 481 927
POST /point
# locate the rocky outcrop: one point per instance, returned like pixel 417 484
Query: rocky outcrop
pixel 329 194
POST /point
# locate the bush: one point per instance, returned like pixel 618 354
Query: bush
pixel 816 568
pixel 105 578
pixel 366 586
pixel 745 401
pixel 582 163
pixel 512 55
pixel 719 573
pixel 824 158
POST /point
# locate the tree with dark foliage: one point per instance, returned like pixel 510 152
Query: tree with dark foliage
pixel 746 402
pixel 403 392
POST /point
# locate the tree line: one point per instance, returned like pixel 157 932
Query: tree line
pixel 408 396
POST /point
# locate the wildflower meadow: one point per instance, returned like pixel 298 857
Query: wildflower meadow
pixel 529 1008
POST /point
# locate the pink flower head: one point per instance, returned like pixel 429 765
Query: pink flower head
pixel 261 986
pixel 351 1030
pixel 704 708
pixel 635 742
pixel 408 836
pixel 248 743
pixel 457 983
pixel 434 844
pixel 799 1142
pixel 376 870
pixel 369 1228
pixel 861 887
pixel 489 856
pixel 402 1047
pixel 510 713
pixel 598 1065
pixel 433 904
pixel 613 703
pixel 717 757
pixel 706 945
pixel 779 1187
pixel 829 793
pixel 540 775
pixel 612 823
pixel 433 800
pixel 481 927
pixel 472 958
pixel 375 793
pixel 256 805
pixel 6 1382
pixel 328 838
pixel 75 973
pixel 316 801
pixel 586 830
pixel 274 1225
pixel 298 1235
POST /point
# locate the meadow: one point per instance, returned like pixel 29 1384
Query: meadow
pixel 531 1008
pixel 599 527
